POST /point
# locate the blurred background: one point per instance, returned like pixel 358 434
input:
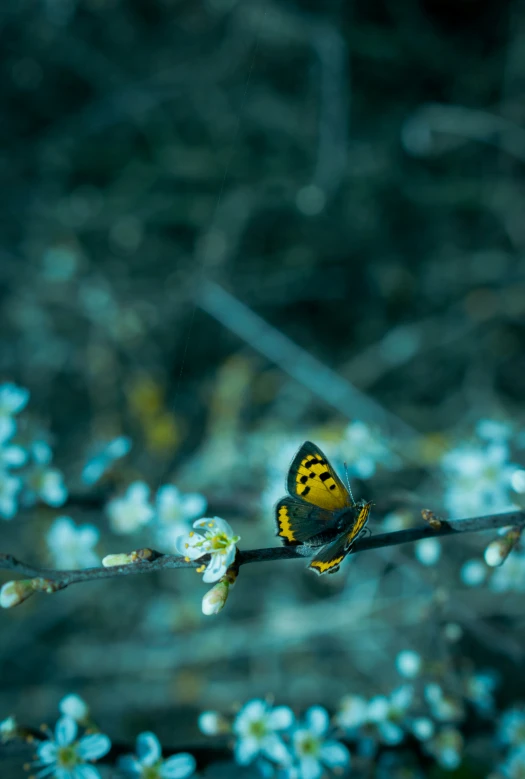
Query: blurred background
pixel 228 226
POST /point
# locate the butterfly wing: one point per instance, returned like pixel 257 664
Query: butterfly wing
pixel 312 478
pixel 298 521
pixel 331 556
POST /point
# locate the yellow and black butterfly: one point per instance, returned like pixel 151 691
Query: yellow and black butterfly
pixel 320 511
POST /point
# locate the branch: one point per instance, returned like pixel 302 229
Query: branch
pixel 149 560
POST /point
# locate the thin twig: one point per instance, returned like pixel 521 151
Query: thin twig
pixel 159 561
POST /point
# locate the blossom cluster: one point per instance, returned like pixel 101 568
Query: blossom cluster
pixel 64 754
pixel 26 473
pixel 276 743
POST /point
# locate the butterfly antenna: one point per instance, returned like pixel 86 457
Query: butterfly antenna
pixel 348 482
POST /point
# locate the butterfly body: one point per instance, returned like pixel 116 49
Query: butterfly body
pixel 319 511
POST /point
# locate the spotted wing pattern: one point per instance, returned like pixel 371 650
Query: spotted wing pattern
pixel 331 556
pixel 312 478
pixel 298 521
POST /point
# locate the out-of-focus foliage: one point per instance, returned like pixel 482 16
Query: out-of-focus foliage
pixel 229 226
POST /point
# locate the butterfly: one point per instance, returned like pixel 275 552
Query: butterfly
pixel 319 510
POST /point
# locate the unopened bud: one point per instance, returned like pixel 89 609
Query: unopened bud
pixel 211 723
pixel 214 600
pixel 117 559
pixel 498 550
pixel 8 729
pixel 125 558
pixel 15 592
pixel 73 706
pixel 433 520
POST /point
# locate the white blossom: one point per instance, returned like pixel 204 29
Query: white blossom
pixel 478 478
pixel 131 512
pixel 148 762
pixel 313 751
pixel 71 545
pixel 216 539
pixel 364 450
pixel 353 712
pixel 408 663
pixel 446 747
pixel 256 728
pixel 42 482
pixel 12 400
pixel 62 755
pixel 443 707
pixel 104 459
pixel 388 714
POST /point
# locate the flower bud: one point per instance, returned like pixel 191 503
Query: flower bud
pixel 214 600
pixel 498 550
pixel 15 592
pixel 73 706
pixel 211 723
pixel 8 729
pixel 118 559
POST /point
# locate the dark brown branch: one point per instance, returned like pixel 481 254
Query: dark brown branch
pixel 158 561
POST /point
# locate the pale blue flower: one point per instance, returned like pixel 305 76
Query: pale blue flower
pixel 446 747
pixel 71 546
pixel 12 400
pixel 364 450
pixel 132 511
pixel 217 539
pixel 65 757
pixel 313 751
pixel 104 459
pixel 511 730
pixel 443 707
pixel 256 728
pixel 42 482
pixel 10 487
pixel 479 690
pixel 11 456
pixel 388 714
pixel 353 712
pixel 408 663
pixel 514 766
pixel 148 762
pixel 174 511
pixel 478 478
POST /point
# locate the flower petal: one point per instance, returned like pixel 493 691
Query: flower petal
pixel 93 746
pixel 280 718
pixel 85 772
pixel 310 768
pixel 185 545
pixel 317 720
pixel 274 748
pixel 148 748
pixel 178 767
pixel 129 765
pixel 252 712
pixel 334 755
pixel 215 569
pixel 47 751
pixel 65 731
pixel 246 749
